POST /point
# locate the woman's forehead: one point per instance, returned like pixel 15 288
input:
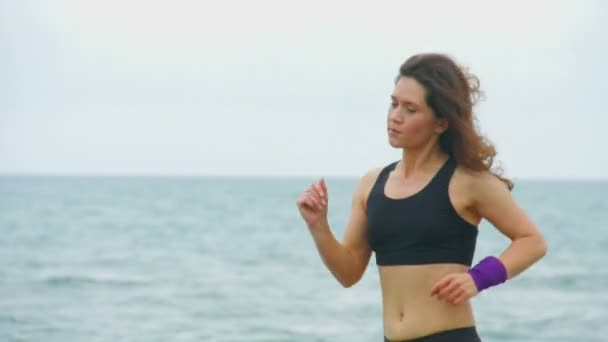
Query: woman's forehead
pixel 408 89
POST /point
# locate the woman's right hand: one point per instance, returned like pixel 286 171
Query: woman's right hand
pixel 313 204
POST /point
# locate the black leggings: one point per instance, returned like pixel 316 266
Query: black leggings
pixel 466 334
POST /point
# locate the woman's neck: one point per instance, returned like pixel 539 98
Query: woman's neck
pixel 423 160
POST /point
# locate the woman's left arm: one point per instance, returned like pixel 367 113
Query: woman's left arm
pixel 493 201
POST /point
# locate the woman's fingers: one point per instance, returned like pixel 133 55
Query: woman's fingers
pixel 438 287
pixel 449 290
pixel 315 199
pixel 307 200
pixel 451 298
pixel 319 192
pixel 324 188
pixel 463 296
pixel 454 288
pixel 303 201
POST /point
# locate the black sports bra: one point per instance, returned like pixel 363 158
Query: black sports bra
pixel 423 228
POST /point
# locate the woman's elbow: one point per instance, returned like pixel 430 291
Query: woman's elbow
pixel 543 246
pixel 352 280
pixel 346 283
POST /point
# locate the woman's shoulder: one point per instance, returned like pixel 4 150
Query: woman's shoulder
pixel 372 173
pixel 369 177
pixel 366 183
pixel 477 183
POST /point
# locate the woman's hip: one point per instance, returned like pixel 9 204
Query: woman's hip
pixel 463 334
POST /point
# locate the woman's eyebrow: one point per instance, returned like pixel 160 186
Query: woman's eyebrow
pixel 406 101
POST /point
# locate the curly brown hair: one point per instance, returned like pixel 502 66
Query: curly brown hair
pixel 451 92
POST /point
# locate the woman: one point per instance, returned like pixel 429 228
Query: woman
pixel 420 214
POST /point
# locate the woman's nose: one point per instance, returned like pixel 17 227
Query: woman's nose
pixel 394 116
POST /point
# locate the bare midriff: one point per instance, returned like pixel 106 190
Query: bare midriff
pixel 408 309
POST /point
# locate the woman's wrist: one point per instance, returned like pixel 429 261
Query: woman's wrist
pixel 320 228
pixel 488 272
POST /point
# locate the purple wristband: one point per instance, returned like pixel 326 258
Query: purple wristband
pixel 488 272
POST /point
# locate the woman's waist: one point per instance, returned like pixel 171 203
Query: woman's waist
pixel 422 318
pixel 413 281
pixel 400 311
pixel 409 310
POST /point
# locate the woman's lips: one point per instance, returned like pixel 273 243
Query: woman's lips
pixel 392 131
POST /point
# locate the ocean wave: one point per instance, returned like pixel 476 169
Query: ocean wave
pixel 78 280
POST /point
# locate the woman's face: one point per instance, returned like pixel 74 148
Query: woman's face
pixel 411 122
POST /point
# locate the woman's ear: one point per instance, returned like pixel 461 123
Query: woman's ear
pixel 441 125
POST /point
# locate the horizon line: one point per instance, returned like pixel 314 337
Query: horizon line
pixel 253 176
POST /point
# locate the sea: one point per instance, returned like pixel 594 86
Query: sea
pixel 187 258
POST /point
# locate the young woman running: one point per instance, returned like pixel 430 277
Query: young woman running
pixel 420 214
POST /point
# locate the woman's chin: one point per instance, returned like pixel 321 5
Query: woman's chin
pixel 394 143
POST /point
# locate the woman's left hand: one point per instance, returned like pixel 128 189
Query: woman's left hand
pixel 455 288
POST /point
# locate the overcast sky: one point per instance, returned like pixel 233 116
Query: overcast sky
pixel 289 88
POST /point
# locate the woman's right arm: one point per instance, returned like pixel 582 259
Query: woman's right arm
pixel 348 260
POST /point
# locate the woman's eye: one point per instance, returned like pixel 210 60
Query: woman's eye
pixel 407 108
